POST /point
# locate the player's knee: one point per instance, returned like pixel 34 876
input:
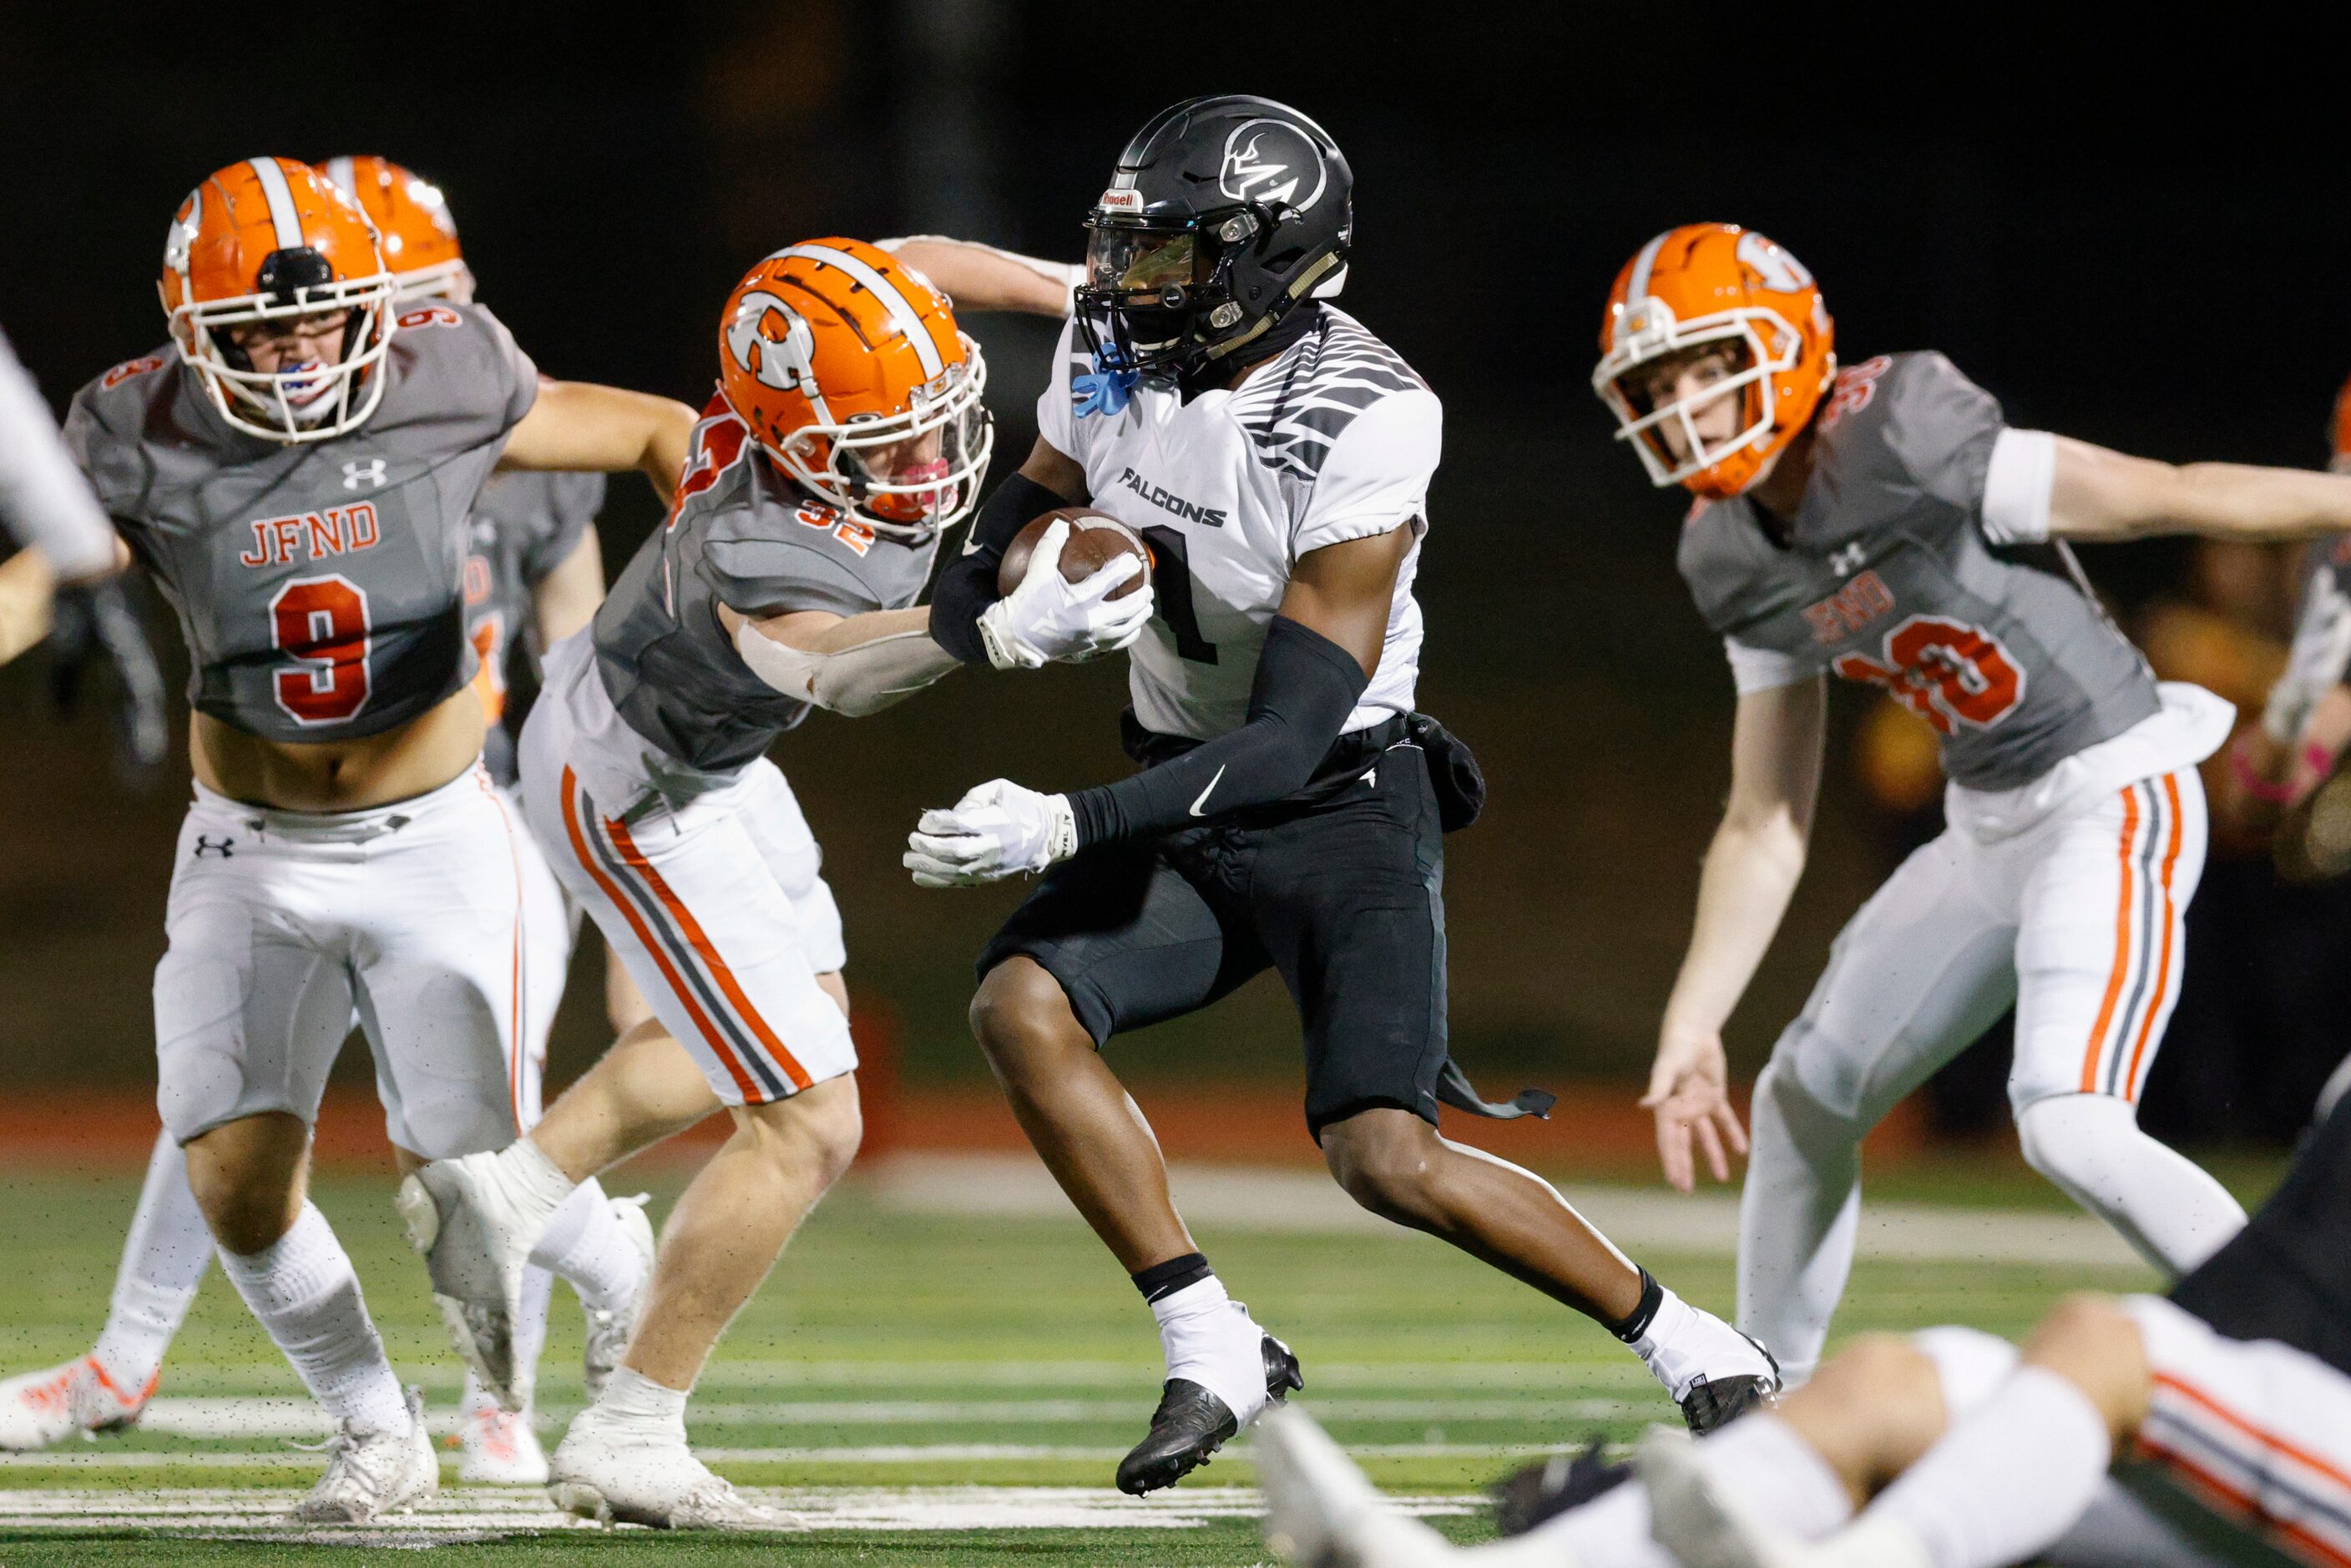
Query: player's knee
pixel 1383 1159
pixel 1785 1105
pixel 1880 1366
pixel 246 1178
pixel 815 1134
pixel 1021 1011
pixel 2069 1138
pixel 2093 1344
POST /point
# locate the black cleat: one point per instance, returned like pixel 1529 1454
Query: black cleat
pixel 1529 1497
pixel 1192 1424
pixel 1713 1404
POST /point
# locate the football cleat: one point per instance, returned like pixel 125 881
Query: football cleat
pixel 1191 1423
pixel 370 1474
pixel 499 1448
pixel 617 1477
pixel 42 1408
pixel 1526 1498
pixel 609 1329
pixel 1321 1511
pixel 476 1240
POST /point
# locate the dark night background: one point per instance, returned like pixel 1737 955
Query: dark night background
pixel 2149 257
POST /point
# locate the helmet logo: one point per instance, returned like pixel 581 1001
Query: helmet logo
pixel 182 240
pixel 1778 269
pixel 783 362
pixel 1268 161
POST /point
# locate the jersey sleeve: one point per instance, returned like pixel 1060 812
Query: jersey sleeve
pixel 1941 427
pixel 2017 485
pixel 775 577
pixel 1754 669
pixel 1376 474
pixel 490 383
pixel 573 501
pixel 44 502
pixel 1057 418
pixel 114 463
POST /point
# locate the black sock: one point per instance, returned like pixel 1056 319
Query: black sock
pixel 1162 1280
pixel 1636 1322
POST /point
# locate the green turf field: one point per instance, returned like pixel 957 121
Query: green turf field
pixel 928 1388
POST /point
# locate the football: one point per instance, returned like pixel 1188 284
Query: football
pixel 1096 538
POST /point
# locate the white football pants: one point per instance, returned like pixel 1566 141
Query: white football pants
pixel 2078 922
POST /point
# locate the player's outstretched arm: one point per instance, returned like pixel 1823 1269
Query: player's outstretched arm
pixel 852 665
pixel 581 427
pixel 1752 869
pixel 1320 652
pixel 2098 494
pixel 981 277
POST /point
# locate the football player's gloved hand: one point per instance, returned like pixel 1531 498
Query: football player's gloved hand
pixel 996 830
pixel 93 622
pixel 1046 618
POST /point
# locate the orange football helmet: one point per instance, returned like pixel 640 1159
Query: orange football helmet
pixel 269 239
pixel 413 224
pixel 848 369
pixel 1716 283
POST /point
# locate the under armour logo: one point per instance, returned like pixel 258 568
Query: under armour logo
pixel 369 473
pixel 205 846
pixel 1847 561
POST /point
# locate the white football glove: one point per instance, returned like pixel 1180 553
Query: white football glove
pixel 1046 619
pixel 996 830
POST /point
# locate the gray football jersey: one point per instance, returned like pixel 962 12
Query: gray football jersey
pixel 524 526
pixel 320 587
pixel 743 535
pixel 1886 577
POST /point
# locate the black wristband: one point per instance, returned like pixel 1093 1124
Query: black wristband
pixel 968 586
pixel 1636 1322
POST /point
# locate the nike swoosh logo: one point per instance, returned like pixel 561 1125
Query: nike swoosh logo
pixel 1203 801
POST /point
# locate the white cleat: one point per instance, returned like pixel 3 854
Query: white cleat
pixel 620 1477
pixel 371 1474
pixel 43 1408
pixel 1322 1513
pixel 499 1448
pixel 475 1239
pixel 609 1331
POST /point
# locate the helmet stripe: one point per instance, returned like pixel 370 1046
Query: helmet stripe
pixel 280 196
pixel 1638 287
pixel 340 173
pixel 881 289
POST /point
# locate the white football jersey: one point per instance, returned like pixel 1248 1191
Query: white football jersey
pixel 1335 438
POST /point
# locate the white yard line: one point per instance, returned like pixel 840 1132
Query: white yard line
pixel 1642 1220
pixel 135 1459
pixel 485 1513
pixel 217 1418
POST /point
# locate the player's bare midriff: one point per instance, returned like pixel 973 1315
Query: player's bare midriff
pixel 416 759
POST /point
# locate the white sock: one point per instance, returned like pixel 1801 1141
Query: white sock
pixel 2163 1203
pixel 163 1260
pixel 1208 1338
pixel 631 1402
pixel 585 1244
pixel 531 1179
pixel 1758 1461
pixel 1684 1344
pixel 304 1291
pixel 1799 1214
pixel 529 1340
pixel 2006 1483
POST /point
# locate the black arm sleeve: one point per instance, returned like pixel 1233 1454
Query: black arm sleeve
pixel 1306 686
pixel 968 586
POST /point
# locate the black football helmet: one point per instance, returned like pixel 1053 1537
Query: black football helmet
pixel 1223 214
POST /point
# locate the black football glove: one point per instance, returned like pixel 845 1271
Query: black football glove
pixel 92 622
